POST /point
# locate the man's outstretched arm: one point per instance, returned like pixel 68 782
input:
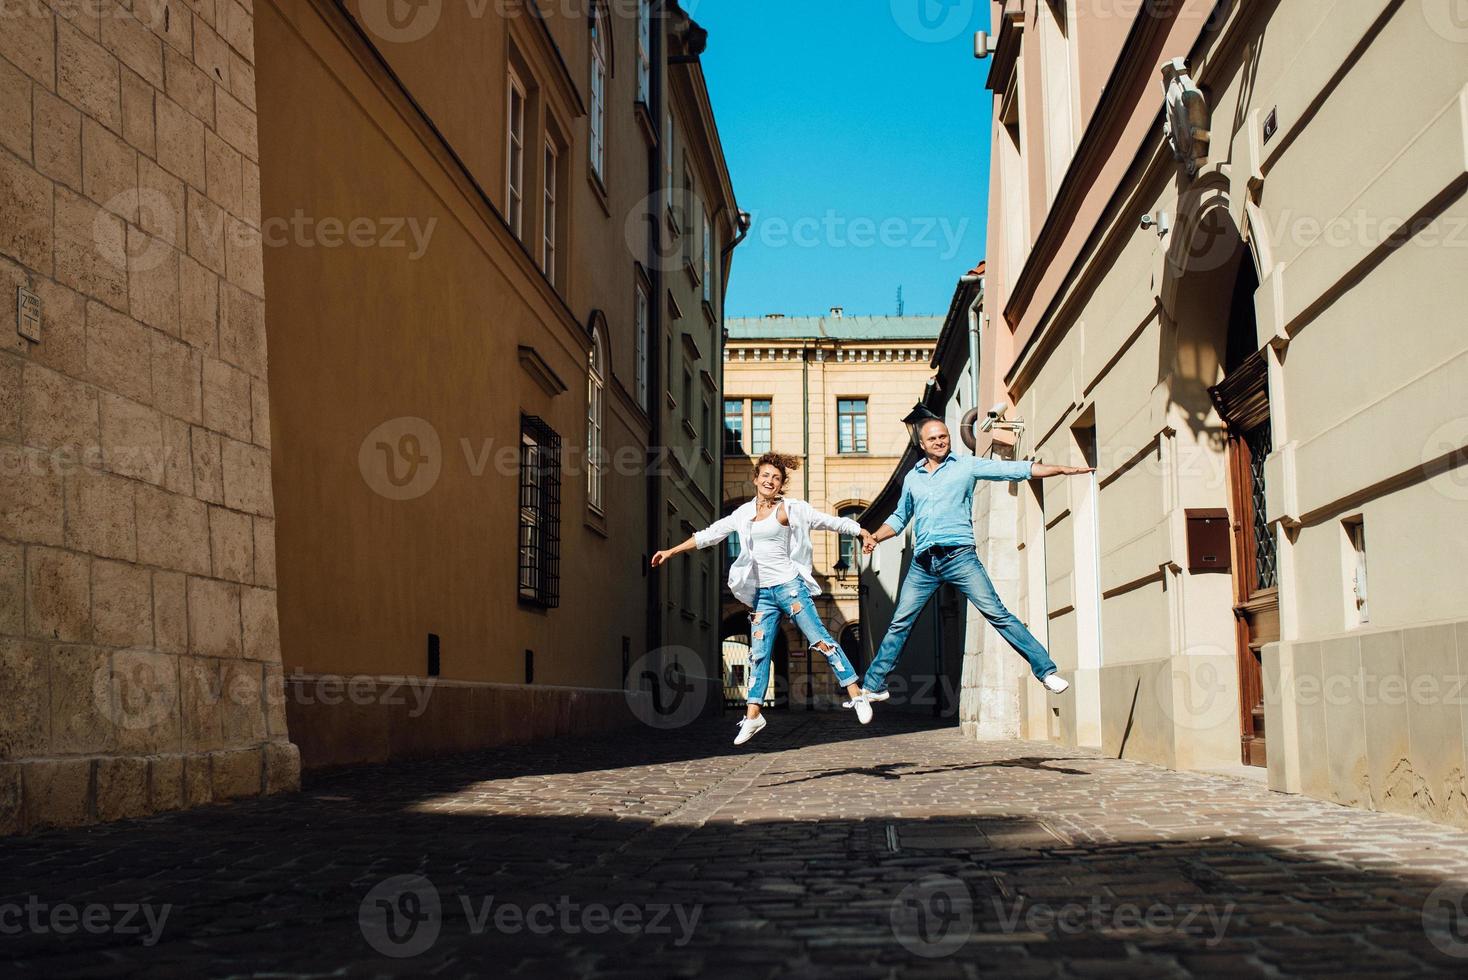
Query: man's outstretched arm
pixel 1041 470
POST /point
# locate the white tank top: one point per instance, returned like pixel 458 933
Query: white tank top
pixel 771 549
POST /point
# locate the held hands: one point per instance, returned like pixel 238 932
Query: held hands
pixel 868 543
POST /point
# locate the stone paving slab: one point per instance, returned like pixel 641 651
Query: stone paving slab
pixel 823 848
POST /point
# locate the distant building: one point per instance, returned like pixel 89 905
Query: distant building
pixel 833 391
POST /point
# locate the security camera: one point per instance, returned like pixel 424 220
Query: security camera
pixel 998 410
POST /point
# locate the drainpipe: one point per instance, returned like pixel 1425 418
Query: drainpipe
pixel 973 339
pixel 805 414
pixel 655 335
pixel 805 449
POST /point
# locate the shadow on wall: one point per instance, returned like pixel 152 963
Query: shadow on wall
pixel 1200 295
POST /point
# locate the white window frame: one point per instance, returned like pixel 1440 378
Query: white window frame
pixel 708 258
pixel 644 51
pixel 596 145
pixel 643 317
pixel 596 384
pixel 548 244
pixel 515 155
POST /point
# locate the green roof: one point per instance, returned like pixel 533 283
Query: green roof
pixel 834 328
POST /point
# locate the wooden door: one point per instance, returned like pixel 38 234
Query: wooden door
pixel 1243 402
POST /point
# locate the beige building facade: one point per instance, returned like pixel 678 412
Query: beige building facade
pixel 832 391
pixel 1224 266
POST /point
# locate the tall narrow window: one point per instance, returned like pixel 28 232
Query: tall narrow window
pixel 708 258
pixel 851 425
pixel 515 164
pixel 644 51
pixel 850 546
pixel 540 513
pixel 1355 529
pixel 759 426
pixel 1058 91
pixel 734 426
pixel 598 110
pixel 596 383
pixel 706 430
pixel 687 394
pixel 668 156
pixel 548 218
pixel 688 586
pixel 685 215
pixel 640 349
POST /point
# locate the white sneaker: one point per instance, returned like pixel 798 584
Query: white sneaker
pixel 749 728
pixel 872 698
pixel 863 708
pixel 1056 684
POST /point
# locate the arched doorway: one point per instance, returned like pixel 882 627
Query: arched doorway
pixel 735 648
pixel 1242 399
pixel 1218 374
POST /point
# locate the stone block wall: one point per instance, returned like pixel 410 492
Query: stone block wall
pixel 139 647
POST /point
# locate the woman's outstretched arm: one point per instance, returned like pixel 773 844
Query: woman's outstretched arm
pixel 667 553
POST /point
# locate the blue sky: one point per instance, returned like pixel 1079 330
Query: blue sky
pixel 857 135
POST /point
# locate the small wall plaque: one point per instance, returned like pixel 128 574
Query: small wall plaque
pixel 28 314
pixel 1271 124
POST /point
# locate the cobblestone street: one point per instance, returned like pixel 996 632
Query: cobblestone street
pixel 819 849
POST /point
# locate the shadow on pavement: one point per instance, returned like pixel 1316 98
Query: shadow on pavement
pixel 513 864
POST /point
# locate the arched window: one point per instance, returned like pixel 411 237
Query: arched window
pixel 850 546
pixel 596 383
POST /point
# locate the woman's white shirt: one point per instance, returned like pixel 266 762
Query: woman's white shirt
pixel 771 546
pixel 744 577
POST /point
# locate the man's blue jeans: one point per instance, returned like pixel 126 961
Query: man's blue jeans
pixel 793 599
pixel 963 569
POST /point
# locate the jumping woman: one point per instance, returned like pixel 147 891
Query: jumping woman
pixel 772 575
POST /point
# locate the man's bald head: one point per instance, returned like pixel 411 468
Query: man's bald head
pixel 933 438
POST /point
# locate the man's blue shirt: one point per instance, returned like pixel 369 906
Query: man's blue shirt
pixel 941 503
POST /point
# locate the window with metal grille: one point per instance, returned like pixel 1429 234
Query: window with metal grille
pixel 1259 442
pixel 851 425
pixel 760 426
pixel 540 513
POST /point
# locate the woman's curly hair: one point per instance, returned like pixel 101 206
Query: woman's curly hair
pixel 783 462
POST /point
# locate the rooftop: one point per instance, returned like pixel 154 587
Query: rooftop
pixel 834 327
